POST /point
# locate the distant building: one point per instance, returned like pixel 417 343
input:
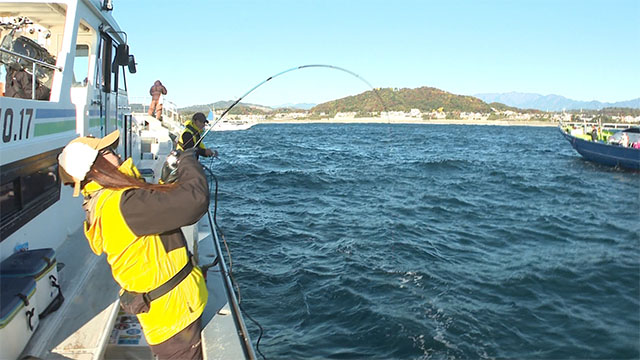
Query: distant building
pixel 345 115
pixel 631 119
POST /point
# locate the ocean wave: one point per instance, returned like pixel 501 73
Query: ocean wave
pixel 381 241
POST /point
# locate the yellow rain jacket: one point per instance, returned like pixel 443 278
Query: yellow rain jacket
pixel 189 137
pixel 139 230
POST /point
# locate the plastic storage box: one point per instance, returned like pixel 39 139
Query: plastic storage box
pixel 18 315
pixel 40 265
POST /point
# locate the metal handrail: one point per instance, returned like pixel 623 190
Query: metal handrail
pixel 168 107
pixel 243 333
pixel 34 62
pixel 604 125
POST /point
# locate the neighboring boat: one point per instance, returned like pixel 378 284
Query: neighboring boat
pixel 609 149
pixel 76 49
pixel 232 125
pixel 229 125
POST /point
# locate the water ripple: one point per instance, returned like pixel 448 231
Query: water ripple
pixel 395 242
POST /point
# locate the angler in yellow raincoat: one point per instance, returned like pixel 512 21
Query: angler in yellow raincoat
pixel 138 226
pixel 191 135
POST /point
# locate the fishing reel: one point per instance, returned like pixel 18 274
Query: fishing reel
pixel 169 173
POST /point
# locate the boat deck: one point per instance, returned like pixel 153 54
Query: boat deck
pixel 90 324
pixel 77 329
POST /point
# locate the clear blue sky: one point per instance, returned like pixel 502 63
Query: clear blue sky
pixel 210 50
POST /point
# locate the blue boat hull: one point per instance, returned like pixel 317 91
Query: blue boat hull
pixel 606 154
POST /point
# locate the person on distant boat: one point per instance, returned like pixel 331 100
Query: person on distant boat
pixel 191 135
pixel 594 134
pixel 137 225
pixel 19 85
pixel 624 141
pixel 156 90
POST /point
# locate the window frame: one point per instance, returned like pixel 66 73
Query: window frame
pixel 16 173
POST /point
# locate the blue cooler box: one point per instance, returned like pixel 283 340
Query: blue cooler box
pixel 40 265
pixel 18 315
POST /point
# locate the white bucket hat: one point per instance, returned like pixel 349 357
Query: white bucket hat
pixel 79 155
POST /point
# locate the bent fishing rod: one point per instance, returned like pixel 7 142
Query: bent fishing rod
pixel 170 166
pixel 282 73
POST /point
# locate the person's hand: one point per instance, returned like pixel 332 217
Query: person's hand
pixel 210 153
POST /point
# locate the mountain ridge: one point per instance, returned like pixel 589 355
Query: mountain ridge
pixel 425 99
pixel 552 102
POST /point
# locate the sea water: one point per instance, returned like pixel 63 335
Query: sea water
pixel 366 241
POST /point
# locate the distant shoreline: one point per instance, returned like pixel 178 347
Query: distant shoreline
pixel 378 120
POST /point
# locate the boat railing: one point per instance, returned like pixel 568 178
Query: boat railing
pixel 35 63
pixel 590 125
pixel 243 333
pixel 169 108
pixel 139 104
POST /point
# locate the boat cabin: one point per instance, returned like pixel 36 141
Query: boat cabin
pixel 63 73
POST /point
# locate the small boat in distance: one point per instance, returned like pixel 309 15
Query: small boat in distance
pixel 619 149
pixel 228 125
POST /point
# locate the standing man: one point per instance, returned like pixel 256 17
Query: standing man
pixel 156 91
pixel 191 135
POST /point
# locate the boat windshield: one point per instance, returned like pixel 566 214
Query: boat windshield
pixel 31 36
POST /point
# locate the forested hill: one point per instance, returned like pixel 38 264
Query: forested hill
pixel 425 99
pixel 241 108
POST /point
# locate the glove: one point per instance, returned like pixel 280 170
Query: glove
pixel 211 153
pixel 169 172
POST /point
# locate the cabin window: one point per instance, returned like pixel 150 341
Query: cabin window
pixel 98 73
pixel 105 74
pixel 8 198
pixel 31 33
pixel 81 66
pixel 86 42
pixel 44 179
pixel 122 82
pixel 27 188
pixel 114 68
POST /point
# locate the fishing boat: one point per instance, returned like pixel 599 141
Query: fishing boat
pixel 611 148
pixel 228 124
pixel 75 50
pixel 232 125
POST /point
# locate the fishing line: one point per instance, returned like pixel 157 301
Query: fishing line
pixel 282 73
pixel 236 102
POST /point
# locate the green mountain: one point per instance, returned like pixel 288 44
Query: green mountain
pixel 425 99
pixel 241 108
pixel 371 102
